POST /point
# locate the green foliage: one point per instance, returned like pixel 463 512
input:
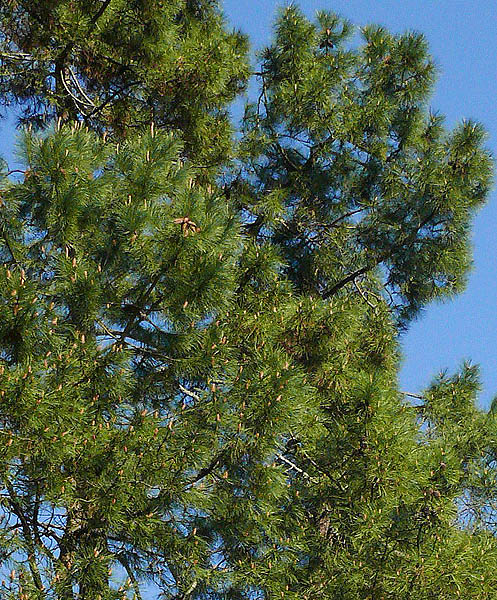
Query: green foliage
pixel 118 64
pixel 198 366
pixel 367 179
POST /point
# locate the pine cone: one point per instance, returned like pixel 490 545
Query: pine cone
pixel 187 225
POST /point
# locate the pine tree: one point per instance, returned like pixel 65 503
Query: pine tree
pixel 350 175
pixel 198 367
pixel 118 65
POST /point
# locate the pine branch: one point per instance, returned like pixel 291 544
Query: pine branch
pixel 410 395
pixel 99 13
pixel 21 56
pixel 363 295
pixel 80 89
pixel 189 393
pixel 124 562
pixel 343 282
pixel 28 536
pixel 294 467
pixel 215 462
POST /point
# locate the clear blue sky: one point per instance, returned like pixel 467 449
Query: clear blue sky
pixel 463 39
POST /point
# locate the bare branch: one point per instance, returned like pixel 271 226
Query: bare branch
pixel 294 467
pixel 189 393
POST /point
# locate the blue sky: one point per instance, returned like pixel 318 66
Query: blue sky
pixel 463 40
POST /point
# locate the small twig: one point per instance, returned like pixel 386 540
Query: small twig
pixel 351 213
pixel 80 89
pixel 107 330
pixel 17 56
pixel 80 105
pixel 295 467
pixel 418 396
pixel 363 295
pixel 189 393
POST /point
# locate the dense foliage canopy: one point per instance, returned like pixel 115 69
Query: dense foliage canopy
pixel 198 331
